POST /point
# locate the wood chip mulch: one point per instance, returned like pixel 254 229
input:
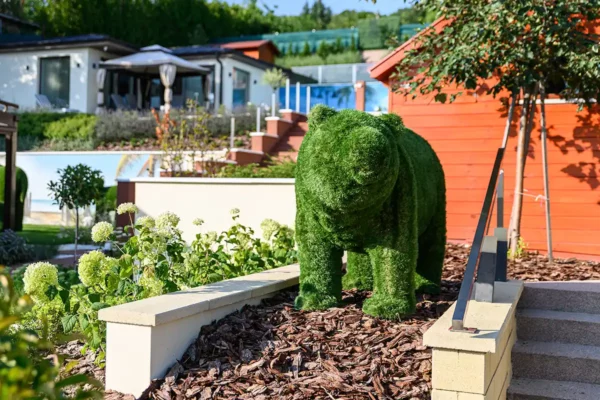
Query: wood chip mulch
pixel 273 351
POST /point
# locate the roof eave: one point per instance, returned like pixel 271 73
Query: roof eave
pixel 115 46
pixel 384 68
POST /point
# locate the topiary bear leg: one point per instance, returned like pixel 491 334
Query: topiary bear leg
pixel 394 290
pixel 320 274
pixel 359 274
pixel 432 249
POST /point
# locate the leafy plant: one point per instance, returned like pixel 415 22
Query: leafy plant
pixel 153 261
pixel 78 126
pixel 77 187
pixel 28 364
pixel 186 143
pixel 123 125
pixel 14 249
pixel 275 78
pixel 285 169
pixel 345 57
pixel 520 251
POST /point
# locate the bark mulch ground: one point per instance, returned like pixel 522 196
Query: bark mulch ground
pixel 273 351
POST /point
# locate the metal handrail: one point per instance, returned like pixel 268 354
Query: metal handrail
pixel 466 288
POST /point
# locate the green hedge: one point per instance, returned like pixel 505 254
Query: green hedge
pixel 35 123
pixel 285 169
pixel 22 185
pixel 77 126
pixel 347 57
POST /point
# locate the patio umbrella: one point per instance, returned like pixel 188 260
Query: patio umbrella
pixel 155 60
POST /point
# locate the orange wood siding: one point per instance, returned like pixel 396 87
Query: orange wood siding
pixel 466 135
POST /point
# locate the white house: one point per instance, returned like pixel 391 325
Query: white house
pixel 65 70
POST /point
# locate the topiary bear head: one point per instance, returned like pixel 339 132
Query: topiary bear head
pixel 348 160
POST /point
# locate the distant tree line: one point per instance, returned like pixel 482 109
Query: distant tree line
pixel 181 22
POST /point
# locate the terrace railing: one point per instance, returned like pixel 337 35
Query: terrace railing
pixel 487 260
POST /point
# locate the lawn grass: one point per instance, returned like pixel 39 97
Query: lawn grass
pixel 52 235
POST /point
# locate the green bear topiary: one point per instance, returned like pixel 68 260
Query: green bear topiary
pixel 22 185
pixel 370 186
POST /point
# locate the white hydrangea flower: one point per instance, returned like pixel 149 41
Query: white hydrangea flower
pixel 146 222
pixel 38 278
pixel 102 231
pixel 198 221
pixel 269 227
pixel 127 208
pixel 92 268
pixel 235 211
pixel 167 220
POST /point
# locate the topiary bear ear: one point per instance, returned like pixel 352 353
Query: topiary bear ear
pixel 394 121
pixel 318 115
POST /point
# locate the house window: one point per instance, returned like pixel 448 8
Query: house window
pixel 55 74
pixel 241 88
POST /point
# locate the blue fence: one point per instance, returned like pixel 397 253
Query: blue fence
pixel 339 97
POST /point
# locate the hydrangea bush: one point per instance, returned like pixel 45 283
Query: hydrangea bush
pixel 153 261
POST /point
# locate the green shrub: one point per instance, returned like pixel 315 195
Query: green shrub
pixel 35 123
pixel 77 126
pixel 27 361
pixel 284 169
pixel 123 125
pixel 14 249
pixel 152 262
pixel 22 186
pixel 346 57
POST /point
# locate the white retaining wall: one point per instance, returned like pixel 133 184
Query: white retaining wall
pixel 212 199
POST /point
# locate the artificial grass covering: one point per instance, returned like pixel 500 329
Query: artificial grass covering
pixel 370 186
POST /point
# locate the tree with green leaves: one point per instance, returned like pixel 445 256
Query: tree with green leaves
pixel 521 47
pixel 306 51
pixel 77 187
pixel 324 50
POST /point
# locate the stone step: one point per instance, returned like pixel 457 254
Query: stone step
pixel 558 326
pixel 556 361
pixel 575 296
pixel 538 389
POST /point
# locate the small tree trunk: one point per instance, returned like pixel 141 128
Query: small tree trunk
pixel 545 169
pixel 515 219
pixel 76 229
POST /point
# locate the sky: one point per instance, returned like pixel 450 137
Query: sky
pixel 294 7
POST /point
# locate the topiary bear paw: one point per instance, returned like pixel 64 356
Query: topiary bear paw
pixel 350 281
pixel 424 285
pixel 314 301
pixel 389 308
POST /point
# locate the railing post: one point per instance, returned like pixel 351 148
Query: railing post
pixel 500 197
pixel 298 97
pixel 287 94
pixel 307 100
pixel 501 235
pixel 486 274
pixel 232 136
pixel 258 119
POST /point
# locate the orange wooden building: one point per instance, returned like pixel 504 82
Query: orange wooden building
pixel 466 135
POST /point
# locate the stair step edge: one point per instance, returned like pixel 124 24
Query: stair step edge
pixel 559 315
pixel 555 349
pixel 559 390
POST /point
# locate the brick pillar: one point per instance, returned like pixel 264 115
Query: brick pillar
pixel 125 194
pixel 360 89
